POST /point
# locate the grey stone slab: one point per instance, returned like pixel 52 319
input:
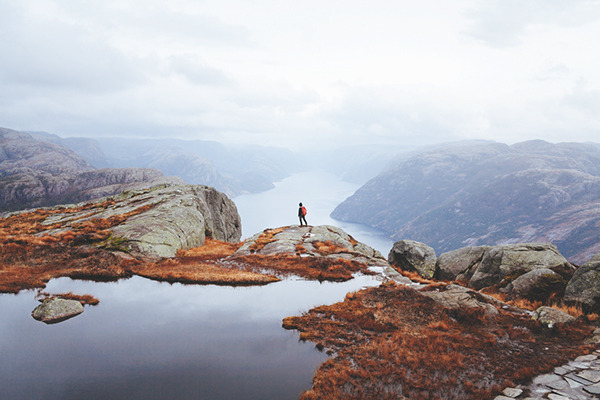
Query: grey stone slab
pixel 561 370
pixel 554 396
pixel 573 384
pixel 572 394
pixel 545 379
pixel 589 357
pixel 512 392
pixel 558 384
pixel 593 389
pixel 580 365
pixel 579 379
pixel 502 398
pixel 590 375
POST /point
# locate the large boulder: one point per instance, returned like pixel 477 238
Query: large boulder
pixel 538 284
pixel 459 265
pixel 409 255
pixel 56 310
pixel 584 287
pixel 512 260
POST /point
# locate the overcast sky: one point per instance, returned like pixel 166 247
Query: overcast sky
pixel 303 72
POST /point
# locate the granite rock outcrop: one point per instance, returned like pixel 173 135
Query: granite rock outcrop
pixel 173 217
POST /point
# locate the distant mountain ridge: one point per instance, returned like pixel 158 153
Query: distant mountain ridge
pixel 488 194
pixel 232 169
pixel 36 173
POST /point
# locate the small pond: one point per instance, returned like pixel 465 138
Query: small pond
pixel 153 340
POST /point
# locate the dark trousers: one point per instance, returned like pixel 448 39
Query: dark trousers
pixel 302 218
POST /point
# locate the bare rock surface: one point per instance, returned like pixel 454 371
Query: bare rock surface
pixel 174 217
pixel 317 241
pixel 56 310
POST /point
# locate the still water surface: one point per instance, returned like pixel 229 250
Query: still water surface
pixel 153 340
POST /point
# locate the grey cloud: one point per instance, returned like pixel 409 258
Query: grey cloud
pixel 46 53
pixel 379 116
pixel 198 73
pixel 585 100
pixel 503 23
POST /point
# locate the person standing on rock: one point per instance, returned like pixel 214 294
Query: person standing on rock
pixel 302 214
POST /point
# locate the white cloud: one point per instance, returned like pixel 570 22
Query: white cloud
pixel 269 71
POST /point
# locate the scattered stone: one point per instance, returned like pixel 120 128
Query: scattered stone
pixel 56 310
pixel 579 379
pixel 558 384
pixel 589 357
pixel 590 375
pixel 545 379
pixel 573 384
pixel 512 392
pixel 550 316
pixel 502 398
pixel 554 396
pixel 593 389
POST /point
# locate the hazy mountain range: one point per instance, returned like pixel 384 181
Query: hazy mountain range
pixel 35 173
pixel 488 194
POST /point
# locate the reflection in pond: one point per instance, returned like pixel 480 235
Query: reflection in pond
pixel 152 340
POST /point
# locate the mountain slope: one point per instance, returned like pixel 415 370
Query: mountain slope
pixel 36 173
pixel 488 194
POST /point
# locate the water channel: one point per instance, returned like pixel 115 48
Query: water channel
pixel 153 340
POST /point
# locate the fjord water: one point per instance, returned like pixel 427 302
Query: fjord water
pixel 154 340
pixel 320 192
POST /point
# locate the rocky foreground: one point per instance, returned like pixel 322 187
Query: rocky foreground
pixel 436 339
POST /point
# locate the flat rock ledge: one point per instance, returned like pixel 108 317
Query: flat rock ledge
pixel 318 241
pixel 55 310
pixel 577 380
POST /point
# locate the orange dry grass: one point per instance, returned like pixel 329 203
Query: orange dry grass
pixel 82 298
pixel 211 249
pixel 391 341
pixel 265 238
pixel 573 310
pixel 319 268
pixel 201 273
pixel 29 261
pixel 328 247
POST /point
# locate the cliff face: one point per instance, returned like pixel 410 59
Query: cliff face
pixel 35 173
pixel 159 221
pixel 487 195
